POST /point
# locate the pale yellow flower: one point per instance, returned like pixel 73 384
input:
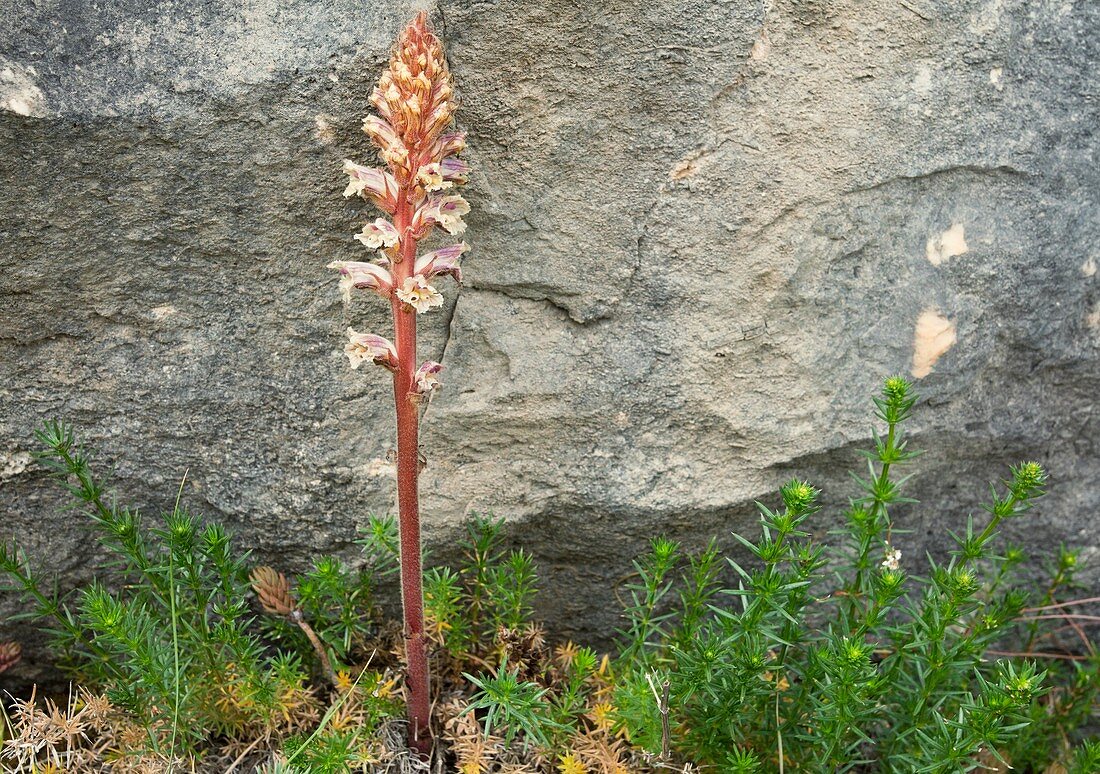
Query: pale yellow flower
pixel 430 177
pixel 417 293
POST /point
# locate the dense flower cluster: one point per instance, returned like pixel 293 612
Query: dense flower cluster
pixel 415 104
pixel 893 559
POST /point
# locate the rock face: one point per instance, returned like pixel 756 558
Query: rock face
pixel 703 233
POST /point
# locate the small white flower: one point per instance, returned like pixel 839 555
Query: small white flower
pixel 426 379
pixel 368 182
pixel 444 211
pixel 892 560
pixel 448 214
pixel 363 276
pixel 368 346
pixel 379 234
pixel 417 293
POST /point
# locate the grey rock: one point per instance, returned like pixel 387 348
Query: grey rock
pixel 703 233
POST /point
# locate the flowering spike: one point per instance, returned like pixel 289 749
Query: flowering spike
pixel 273 591
pixel 377 185
pixel 362 276
pixel 416 89
pixel 417 293
pixel 426 379
pixel 415 104
pixel 442 261
pixel 368 346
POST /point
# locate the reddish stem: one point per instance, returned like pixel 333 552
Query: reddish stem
pixel 408 469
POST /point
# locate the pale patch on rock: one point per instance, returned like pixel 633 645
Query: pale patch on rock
pixel 761 48
pixel 947 245
pixel 922 82
pixel 18 92
pixel 325 133
pixel 934 335
pixel 1088 268
pixel 11 465
pixel 685 167
pixel 1092 319
pixel 988 18
pixel 996 77
pixel 160 312
pixel 380 468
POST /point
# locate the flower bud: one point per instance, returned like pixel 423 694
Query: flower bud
pixel 455 170
pixel 798 495
pixel 375 184
pixel 1027 480
pixel 391 147
pixel 426 379
pixel 448 145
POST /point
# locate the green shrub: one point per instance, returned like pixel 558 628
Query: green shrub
pixel 826 659
pixel 802 657
pixel 166 627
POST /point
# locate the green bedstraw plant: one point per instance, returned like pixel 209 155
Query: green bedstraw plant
pixel 166 626
pixel 837 660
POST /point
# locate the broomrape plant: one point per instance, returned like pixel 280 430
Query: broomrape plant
pixel 415 102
